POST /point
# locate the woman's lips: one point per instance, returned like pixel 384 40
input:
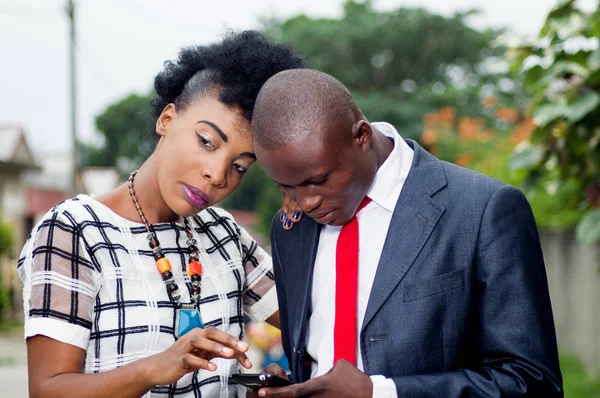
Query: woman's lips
pixel 196 197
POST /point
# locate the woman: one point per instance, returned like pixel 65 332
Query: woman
pixel 144 290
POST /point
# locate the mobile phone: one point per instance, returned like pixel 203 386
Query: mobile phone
pixel 257 381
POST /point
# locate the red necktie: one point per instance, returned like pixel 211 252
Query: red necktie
pixel 346 290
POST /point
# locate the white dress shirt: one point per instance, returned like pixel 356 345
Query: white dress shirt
pixel 373 223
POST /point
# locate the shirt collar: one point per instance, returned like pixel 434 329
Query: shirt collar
pixel 390 177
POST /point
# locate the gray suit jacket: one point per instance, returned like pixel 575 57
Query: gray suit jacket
pixel 460 303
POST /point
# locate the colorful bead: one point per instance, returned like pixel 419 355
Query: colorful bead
pixel 197 290
pixel 163 265
pixel 194 268
pixel 171 287
pixel 196 278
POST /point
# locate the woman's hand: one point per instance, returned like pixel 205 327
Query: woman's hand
pixel 194 351
pixel 290 212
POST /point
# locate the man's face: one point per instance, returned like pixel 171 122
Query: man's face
pixel 327 175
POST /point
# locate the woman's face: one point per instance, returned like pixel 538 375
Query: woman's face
pixel 203 154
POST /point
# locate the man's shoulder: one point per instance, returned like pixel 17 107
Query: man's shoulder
pixel 469 181
pixel 302 232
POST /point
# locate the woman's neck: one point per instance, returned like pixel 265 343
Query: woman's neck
pixel 148 195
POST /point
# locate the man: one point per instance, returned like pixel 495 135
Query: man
pixel 437 288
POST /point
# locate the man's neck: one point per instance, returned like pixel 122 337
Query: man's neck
pixel 382 145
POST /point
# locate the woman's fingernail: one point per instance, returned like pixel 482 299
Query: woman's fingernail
pixel 227 351
pixel 287 223
pixel 262 394
pixel 282 216
pixel 248 363
pixel 242 346
pixel 296 215
pixel 212 366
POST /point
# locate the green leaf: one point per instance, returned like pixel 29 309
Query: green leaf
pixel 7 238
pixel 594 78
pixel 526 158
pixel 570 67
pixel 547 113
pixel 588 229
pixel 594 60
pixel 563 3
pixel 582 106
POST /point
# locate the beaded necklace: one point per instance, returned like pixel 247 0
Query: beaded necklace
pixel 187 314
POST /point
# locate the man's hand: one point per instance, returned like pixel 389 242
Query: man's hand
pixel 272 369
pixel 343 380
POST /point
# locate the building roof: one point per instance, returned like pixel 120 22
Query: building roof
pixel 14 149
pixel 39 200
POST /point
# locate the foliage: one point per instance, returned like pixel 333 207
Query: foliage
pixel 486 145
pixel 7 238
pixel 576 381
pixel 7 241
pixel 125 128
pixel 561 71
pixel 398 64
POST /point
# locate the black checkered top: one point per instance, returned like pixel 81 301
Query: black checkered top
pixel 90 280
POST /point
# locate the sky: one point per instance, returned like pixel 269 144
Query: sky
pixel 122 44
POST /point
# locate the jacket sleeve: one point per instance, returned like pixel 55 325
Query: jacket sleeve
pixel 515 338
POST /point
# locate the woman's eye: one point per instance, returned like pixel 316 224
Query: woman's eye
pixel 206 143
pixel 240 169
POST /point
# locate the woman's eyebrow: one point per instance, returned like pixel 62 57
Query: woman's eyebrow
pixel 217 129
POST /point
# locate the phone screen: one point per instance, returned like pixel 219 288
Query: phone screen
pixel 259 380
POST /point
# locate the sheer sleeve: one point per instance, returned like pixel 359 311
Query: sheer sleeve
pixel 260 295
pixel 59 281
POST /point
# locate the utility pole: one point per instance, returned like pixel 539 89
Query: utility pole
pixel 73 83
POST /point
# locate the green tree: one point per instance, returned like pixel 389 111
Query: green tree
pixel 7 241
pixel 561 71
pixel 126 131
pixel 7 238
pixel 399 65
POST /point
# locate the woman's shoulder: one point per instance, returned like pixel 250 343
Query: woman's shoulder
pixel 217 217
pixel 75 210
pixel 78 213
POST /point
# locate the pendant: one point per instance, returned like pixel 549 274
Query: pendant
pixel 186 320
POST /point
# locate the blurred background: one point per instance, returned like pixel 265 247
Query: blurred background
pixel 510 89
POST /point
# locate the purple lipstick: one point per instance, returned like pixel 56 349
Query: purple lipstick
pixel 196 197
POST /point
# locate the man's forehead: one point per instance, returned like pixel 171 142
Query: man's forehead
pixel 293 164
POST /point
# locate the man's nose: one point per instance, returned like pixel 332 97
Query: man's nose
pixel 308 203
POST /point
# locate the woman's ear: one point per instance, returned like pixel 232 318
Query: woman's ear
pixel 165 119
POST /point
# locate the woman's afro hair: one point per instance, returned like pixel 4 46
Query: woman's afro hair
pixel 236 67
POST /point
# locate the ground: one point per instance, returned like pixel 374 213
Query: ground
pixel 13 364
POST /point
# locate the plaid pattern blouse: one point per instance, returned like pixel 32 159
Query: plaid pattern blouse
pixel 90 280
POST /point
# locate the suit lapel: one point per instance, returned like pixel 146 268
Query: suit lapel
pixel 414 218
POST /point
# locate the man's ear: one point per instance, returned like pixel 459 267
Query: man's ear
pixel 165 119
pixel 362 134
